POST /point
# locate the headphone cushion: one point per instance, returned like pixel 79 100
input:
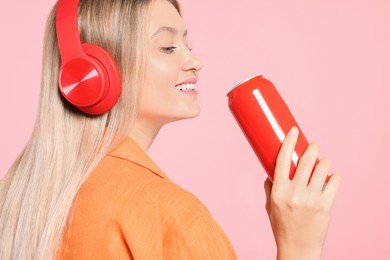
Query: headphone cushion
pixel 112 87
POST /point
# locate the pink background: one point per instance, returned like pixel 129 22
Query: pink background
pixel 330 61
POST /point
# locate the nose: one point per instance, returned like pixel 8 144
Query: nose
pixel 192 62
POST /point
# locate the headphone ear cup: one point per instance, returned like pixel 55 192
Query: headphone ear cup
pixel 92 82
pixel 111 87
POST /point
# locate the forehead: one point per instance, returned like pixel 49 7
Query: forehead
pixel 163 14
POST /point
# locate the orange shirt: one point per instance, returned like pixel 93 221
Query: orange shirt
pixel 128 209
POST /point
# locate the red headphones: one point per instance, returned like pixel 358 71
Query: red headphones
pixel 89 77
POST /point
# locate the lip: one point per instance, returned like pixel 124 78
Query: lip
pixel 188 81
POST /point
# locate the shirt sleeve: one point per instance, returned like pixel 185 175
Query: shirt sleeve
pixel 201 239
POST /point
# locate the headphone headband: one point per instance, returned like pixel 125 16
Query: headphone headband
pixel 67 30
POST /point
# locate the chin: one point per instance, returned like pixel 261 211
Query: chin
pixel 187 115
pixel 193 113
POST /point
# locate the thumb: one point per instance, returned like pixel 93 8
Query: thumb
pixel 268 188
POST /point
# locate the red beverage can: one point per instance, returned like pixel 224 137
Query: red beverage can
pixel 265 119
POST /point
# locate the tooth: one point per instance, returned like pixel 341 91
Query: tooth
pixel 186 87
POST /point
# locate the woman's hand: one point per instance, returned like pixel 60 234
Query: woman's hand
pixel 300 212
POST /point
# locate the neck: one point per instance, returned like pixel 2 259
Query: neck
pixel 144 134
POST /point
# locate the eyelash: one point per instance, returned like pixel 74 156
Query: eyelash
pixel 169 50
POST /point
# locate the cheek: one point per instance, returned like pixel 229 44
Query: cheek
pixel 163 71
pixel 159 93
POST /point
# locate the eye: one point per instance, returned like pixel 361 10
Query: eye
pixel 168 50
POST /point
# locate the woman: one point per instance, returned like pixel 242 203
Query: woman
pixel 84 188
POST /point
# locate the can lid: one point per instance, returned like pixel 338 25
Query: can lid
pixel 242 82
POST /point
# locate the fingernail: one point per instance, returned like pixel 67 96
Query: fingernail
pixel 293 131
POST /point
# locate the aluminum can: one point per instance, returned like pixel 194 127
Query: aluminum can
pixel 265 119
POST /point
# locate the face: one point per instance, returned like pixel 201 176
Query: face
pixel 170 91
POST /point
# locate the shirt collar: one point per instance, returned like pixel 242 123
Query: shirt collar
pixel 129 150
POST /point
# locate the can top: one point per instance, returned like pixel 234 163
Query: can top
pixel 242 82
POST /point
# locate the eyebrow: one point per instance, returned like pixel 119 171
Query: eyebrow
pixel 169 29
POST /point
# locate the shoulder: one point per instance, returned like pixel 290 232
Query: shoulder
pixel 129 204
pixel 130 189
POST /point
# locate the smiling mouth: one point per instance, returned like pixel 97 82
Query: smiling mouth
pixel 185 87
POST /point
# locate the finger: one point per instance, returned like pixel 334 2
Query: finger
pixel 320 173
pixel 331 189
pixel 283 161
pixel 306 164
pixel 268 188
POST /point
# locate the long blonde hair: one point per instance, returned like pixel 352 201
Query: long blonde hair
pixel 37 193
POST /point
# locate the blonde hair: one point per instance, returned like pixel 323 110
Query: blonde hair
pixel 37 193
